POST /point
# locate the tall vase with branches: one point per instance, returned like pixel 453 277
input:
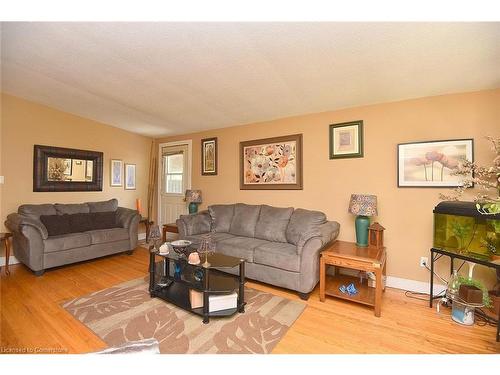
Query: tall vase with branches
pixel 486 178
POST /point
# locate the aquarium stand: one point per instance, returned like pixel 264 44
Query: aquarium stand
pixel 437 254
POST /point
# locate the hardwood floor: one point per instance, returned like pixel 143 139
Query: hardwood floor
pixel 32 319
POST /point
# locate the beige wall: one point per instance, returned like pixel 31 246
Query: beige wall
pixel 26 123
pixel 405 212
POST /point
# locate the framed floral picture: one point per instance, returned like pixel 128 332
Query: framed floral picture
pixel 432 163
pixel 116 172
pixel 129 176
pixel 271 163
pixel 209 156
pixel 346 140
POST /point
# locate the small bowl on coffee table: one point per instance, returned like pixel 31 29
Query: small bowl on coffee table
pixel 181 247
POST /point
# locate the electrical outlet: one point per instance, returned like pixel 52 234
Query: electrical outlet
pixel 424 261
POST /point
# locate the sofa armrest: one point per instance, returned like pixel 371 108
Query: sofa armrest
pixel 15 223
pixel 324 232
pixel 124 216
pixel 311 246
pixel 194 224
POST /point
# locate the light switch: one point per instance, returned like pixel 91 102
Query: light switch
pixel 2 179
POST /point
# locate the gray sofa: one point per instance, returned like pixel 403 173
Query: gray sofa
pixel 34 247
pixel 280 245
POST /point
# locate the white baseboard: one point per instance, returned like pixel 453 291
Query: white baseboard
pixel 141 236
pixel 12 260
pixel 404 284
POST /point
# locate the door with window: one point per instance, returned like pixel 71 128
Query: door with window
pixel 174 180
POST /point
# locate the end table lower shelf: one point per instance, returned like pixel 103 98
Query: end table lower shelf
pixel 365 295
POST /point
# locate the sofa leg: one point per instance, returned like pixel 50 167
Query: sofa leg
pixel 304 296
pixel 39 273
pixel 130 252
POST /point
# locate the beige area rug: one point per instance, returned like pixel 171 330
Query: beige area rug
pixel 126 312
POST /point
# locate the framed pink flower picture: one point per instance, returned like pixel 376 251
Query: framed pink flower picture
pixel 433 163
pixel 271 163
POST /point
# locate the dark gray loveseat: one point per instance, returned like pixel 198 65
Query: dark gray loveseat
pixel 37 249
pixel 280 245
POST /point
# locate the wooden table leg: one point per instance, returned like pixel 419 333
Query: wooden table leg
pixel 7 255
pixel 378 291
pixel 384 274
pixel 322 280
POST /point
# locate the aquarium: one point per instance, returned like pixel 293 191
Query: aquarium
pixel 460 227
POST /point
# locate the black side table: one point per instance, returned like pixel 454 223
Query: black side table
pixel 438 253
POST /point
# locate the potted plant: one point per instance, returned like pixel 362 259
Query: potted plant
pixel 473 282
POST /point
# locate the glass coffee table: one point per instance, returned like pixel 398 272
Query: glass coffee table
pixel 172 278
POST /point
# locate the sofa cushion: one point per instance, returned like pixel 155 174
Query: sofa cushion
pixel 34 211
pixel 244 220
pixel 196 238
pixel 104 206
pixel 56 224
pixel 66 242
pixel 222 216
pixel 104 220
pixel 279 255
pixel 239 247
pixel 272 223
pixel 72 208
pixel 198 223
pixel 303 221
pixel 108 235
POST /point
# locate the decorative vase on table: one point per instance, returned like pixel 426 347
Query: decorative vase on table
pixel 193 197
pixel 363 206
pixel 155 236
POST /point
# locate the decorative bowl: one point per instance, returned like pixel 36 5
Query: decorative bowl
pixel 180 246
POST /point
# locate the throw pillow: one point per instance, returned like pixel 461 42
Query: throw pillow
pixel 56 225
pixel 104 220
pixel 80 223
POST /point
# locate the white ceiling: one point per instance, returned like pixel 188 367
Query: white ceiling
pixel 172 78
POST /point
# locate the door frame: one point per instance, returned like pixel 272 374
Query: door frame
pixel 189 143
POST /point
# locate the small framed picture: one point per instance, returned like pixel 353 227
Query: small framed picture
pixel 346 140
pixel 432 163
pixel 89 167
pixel 116 172
pixel 130 176
pixel 68 166
pixel 209 156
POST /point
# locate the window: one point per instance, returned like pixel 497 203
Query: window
pixel 174 171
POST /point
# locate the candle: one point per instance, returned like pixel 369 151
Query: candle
pixel 138 205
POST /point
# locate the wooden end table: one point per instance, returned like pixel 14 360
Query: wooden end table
pixel 4 237
pixel 348 255
pixel 172 228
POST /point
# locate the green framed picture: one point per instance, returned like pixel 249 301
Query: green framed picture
pixel 346 140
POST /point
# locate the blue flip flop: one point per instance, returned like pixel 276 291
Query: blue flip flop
pixel 351 289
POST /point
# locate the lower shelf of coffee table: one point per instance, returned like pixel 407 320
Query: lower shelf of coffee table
pixel 178 294
pixel 365 295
